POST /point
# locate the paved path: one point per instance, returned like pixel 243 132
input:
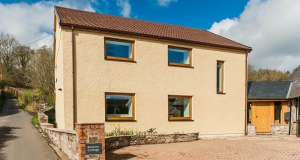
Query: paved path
pixel 256 148
pixel 19 140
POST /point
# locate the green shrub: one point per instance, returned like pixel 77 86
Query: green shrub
pixel 28 98
pixel 35 121
pixel 3 83
pixel 50 100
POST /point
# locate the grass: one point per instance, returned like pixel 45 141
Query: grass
pixel 22 104
pixel 29 90
pixel 35 121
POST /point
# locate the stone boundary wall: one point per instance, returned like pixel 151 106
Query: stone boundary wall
pixel 116 142
pixel 44 126
pixel 280 129
pixel 42 117
pixel 64 140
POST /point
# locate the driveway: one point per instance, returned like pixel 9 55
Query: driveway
pixel 255 148
pixel 19 140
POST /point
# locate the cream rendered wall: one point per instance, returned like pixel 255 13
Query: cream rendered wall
pixel 59 108
pixel 152 80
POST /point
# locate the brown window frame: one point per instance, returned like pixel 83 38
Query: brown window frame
pixel 222 78
pixel 120 118
pixel 181 64
pixel 119 58
pixel 190 109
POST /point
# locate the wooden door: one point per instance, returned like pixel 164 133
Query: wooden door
pixel 263 117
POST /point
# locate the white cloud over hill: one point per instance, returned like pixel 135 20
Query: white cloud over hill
pixel 271 28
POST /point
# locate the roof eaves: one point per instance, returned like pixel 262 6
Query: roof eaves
pixel 152 36
pixel 268 98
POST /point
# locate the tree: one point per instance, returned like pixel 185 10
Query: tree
pixel 8 44
pixel 41 72
pixel 266 74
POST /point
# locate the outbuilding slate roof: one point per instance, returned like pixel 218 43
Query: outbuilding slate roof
pixel 295 77
pixel 96 21
pixel 269 90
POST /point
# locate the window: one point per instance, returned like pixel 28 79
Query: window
pixel 119 106
pixel 220 77
pixel 119 49
pixel 277 114
pixel 179 57
pixel 180 108
pixel 249 112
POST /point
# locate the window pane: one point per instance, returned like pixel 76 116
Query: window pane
pixel 179 107
pixel 118 106
pixel 219 76
pixel 178 56
pixel 118 49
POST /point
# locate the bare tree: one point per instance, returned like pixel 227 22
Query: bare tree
pixel 41 71
pixel 8 44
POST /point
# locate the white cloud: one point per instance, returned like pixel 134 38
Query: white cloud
pixel 165 3
pixel 223 25
pixel 271 28
pixel 125 6
pixel 30 22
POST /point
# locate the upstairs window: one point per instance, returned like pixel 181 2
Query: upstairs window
pixel 179 57
pixel 180 107
pixel 220 77
pixel 119 106
pixel 116 49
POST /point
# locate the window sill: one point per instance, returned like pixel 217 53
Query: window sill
pixel 119 119
pixel 221 93
pixel 180 119
pixel 120 59
pixel 180 65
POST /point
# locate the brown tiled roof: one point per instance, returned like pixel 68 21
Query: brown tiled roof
pixel 295 77
pixel 91 20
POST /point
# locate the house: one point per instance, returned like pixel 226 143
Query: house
pixel 295 101
pixel 268 106
pixel 142 75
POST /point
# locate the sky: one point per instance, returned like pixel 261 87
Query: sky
pixel 270 27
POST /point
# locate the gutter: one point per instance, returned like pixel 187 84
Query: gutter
pixel 153 36
pixel 291 105
pixel 246 93
pixel 74 79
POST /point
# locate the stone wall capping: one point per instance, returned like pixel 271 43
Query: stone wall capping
pixel 89 123
pixel 115 142
pixel 62 130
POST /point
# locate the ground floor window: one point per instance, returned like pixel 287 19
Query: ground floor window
pixel 119 106
pixel 180 107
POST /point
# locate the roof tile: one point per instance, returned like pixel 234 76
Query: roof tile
pixel 269 90
pixel 84 19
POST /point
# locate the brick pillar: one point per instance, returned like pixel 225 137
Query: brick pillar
pixel 89 133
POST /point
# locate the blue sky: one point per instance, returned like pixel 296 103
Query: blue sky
pixel 270 27
pixel 191 13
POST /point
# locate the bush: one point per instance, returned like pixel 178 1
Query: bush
pixel 35 121
pixel 3 83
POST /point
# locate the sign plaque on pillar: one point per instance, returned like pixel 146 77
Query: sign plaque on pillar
pixel 93 148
